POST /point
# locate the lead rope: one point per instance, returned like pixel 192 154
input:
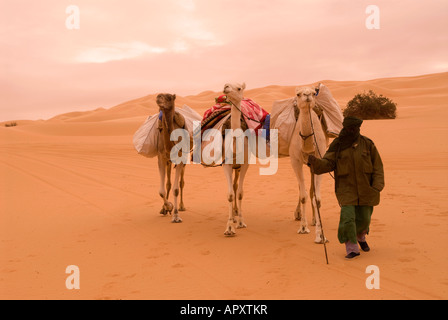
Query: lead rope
pixel 315 140
pixel 324 240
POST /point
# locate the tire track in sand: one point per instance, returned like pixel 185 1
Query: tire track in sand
pixel 79 175
pixel 180 258
pixel 398 290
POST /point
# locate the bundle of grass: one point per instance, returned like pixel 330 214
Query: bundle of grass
pixel 369 106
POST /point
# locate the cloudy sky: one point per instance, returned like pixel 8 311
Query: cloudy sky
pixel 125 49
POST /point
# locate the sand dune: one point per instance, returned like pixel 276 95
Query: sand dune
pixel 74 192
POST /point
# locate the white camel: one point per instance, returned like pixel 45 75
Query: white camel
pixel 234 93
pixel 308 138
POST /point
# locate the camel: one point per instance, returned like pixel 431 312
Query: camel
pixel 170 121
pixel 308 138
pixel 234 93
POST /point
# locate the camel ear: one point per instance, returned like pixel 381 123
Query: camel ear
pixel 174 97
pixel 244 86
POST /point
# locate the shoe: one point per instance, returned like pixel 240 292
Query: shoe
pixel 364 246
pixel 352 255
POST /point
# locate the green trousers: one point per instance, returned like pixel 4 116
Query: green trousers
pixel 354 222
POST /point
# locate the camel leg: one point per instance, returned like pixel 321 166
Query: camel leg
pixel 228 171
pixel 168 179
pixel 316 204
pixel 182 185
pixel 235 189
pixel 167 206
pixel 176 191
pixel 300 210
pixel 239 195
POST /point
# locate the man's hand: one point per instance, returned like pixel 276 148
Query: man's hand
pixel 311 160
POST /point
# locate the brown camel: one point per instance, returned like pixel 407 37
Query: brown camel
pixel 170 121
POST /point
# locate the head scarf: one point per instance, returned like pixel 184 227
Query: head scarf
pixel 348 135
pixel 351 122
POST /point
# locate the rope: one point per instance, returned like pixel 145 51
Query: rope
pixel 315 140
pixel 324 240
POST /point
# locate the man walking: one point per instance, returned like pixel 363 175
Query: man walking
pixel 359 179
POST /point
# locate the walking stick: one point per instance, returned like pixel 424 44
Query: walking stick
pixel 322 236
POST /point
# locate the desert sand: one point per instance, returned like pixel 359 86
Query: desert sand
pixel 73 191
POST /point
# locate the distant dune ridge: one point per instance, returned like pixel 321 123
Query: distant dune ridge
pixel 73 191
pixel 403 90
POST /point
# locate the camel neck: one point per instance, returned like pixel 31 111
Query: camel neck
pixel 168 118
pixel 306 130
pixel 235 115
pixel 167 128
pixel 304 121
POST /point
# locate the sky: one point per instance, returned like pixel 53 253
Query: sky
pixel 127 49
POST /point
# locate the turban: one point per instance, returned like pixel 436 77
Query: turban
pixel 347 136
pixel 352 122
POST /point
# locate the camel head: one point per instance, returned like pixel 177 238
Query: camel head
pixel 305 96
pixel 234 91
pixel 165 101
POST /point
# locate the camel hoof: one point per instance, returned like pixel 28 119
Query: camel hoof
pixel 176 220
pixel 320 241
pixel 241 225
pixel 163 212
pixel 182 208
pixel 230 232
pixel 303 230
pixel 169 207
pixel 297 216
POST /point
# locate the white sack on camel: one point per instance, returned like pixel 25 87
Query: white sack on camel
pixel 331 110
pixel 283 119
pixel 147 136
